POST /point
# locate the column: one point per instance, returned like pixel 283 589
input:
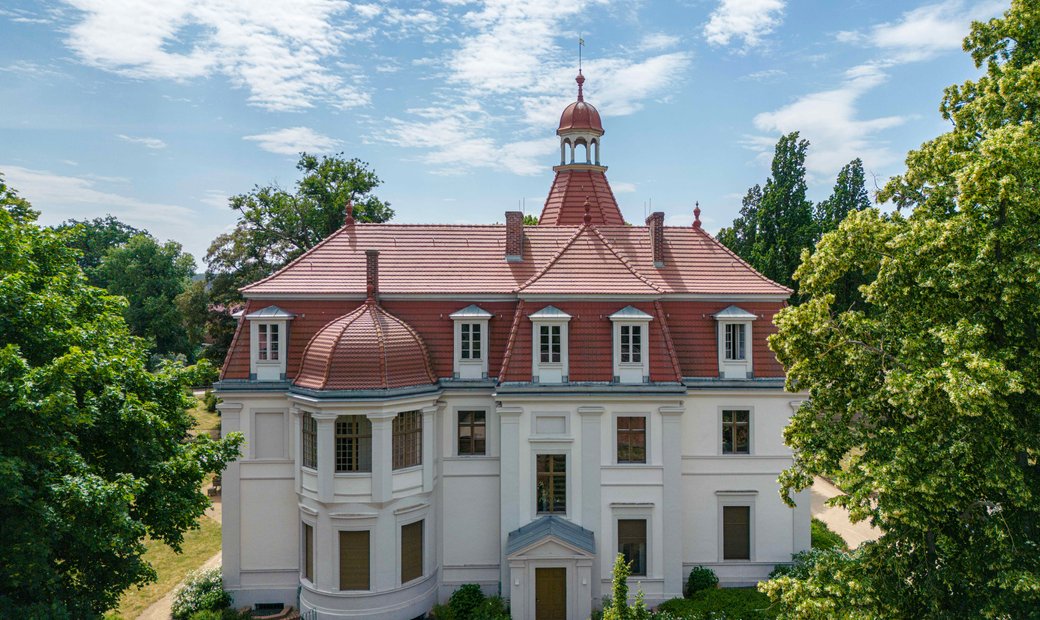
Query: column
pixel 509 479
pixel 672 501
pixel 326 423
pixel 382 456
pixel 297 446
pixel 591 491
pixel 231 558
pixel 429 431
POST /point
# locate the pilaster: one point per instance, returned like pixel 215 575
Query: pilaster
pixel 231 550
pixel 509 464
pixel 429 431
pixel 326 455
pixel 382 456
pixel 591 491
pixel 672 507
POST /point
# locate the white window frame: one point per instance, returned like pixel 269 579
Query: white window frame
pixel 735 368
pixel 737 498
pixel 550 372
pixel 471 368
pixel 569 496
pixel 268 369
pixel 632 372
pixel 751 430
pixel 646 431
pixel 645 512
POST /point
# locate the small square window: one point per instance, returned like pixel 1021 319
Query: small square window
pixel 736 431
pixel 472 433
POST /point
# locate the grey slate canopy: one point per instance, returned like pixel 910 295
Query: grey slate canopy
pixel 551 525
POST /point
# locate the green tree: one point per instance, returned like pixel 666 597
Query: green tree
pixel 275 226
pixel 530 220
pixel 94 449
pixel 931 390
pixel 741 236
pixel 151 276
pixel 94 238
pixel 18 207
pixel 849 195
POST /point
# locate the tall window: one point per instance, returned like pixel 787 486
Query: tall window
pixel 631 534
pixel 308 552
pixel 631 439
pixel 472 433
pixel 552 483
pixel 354 559
pixel 353 444
pixel 267 342
pixel 735 345
pixel 735 431
pixel 631 344
pixel 407 439
pixel 309 429
pixel 411 551
pixel 736 532
pixel 470 341
pixel 549 344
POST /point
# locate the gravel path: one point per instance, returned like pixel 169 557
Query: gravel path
pixel 838 518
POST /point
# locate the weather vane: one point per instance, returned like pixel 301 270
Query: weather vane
pixel 581 44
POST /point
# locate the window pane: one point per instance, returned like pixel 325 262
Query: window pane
pixel 544 343
pixel 475 342
pixel 354 560
pixel 308 552
pixel 261 342
pixel 551 491
pixel 736 532
pixel 272 346
pixel 472 427
pixel 637 344
pixel 631 439
pixel 411 551
pixel 407 440
pixel 736 432
pixel 465 341
pixel 632 544
pixel 353 444
pixel 309 432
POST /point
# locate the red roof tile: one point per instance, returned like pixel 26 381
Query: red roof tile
pixel 366 349
pixel 423 259
pixel 573 184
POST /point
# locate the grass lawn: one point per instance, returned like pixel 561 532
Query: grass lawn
pixel 204 420
pixel 199 545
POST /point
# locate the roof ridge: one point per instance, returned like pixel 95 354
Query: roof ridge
pixel 418 338
pixel 741 260
pixel 659 307
pixel 552 260
pixel 507 356
pixel 624 261
pixel 372 308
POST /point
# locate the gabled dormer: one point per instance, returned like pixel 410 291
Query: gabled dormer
pixel 734 338
pixel 268 343
pixel 549 348
pixel 471 342
pixel 631 356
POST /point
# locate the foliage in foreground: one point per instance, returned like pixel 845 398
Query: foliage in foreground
pixel 824 537
pixel 719 604
pixel 700 578
pixel 94 449
pixel 470 603
pixel 933 385
pixel 202 591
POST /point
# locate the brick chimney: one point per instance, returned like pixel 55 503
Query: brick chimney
pixel 372 273
pixel 514 236
pixel 656 224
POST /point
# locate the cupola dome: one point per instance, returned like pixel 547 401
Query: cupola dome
pixel 367 349
pixel 580 115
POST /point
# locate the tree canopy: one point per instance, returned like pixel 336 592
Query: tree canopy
pixel 94 449
pixel 924 402
pixel 276 225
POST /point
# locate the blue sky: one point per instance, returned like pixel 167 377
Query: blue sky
pixel 156 113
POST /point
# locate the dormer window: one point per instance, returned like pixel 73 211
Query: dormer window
pixel 471 342
pixel 631 330
pixel 549 360
pixel 268 331
pixel 735 342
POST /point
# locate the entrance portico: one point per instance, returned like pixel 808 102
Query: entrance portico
pixel 550 567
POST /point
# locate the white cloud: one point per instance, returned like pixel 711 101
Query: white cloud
pixel 623 187
pixel 746 20
pixel 276 50
pixel 926 31
pixel 216 198
pixel 293 140
pixel 658 41
pixel 830 121
pixel 765 75
pixel 152 143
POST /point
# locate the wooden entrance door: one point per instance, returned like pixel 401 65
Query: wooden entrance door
pixel 550 594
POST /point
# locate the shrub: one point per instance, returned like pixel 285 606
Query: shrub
pixel 465 601
pixel 442 612
pixel 210 400
pixel 223 614
pixel 700 578
pixel 824 537
pixel 735 603
pixel 493 608
pixel 201 591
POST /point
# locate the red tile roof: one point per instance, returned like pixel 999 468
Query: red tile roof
pixel 423 259
pixel 366 349
pixel 572 186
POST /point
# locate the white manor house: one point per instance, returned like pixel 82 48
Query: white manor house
pixel 426 406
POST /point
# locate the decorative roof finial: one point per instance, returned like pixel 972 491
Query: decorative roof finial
pixel 350 212
pixel 697 214
pixel 580 80
pixel 588 216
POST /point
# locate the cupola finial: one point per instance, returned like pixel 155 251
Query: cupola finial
pixel 580 80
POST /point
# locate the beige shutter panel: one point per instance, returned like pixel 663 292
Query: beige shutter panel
pixel 736 533
pixel 354 556
pixel 411 551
